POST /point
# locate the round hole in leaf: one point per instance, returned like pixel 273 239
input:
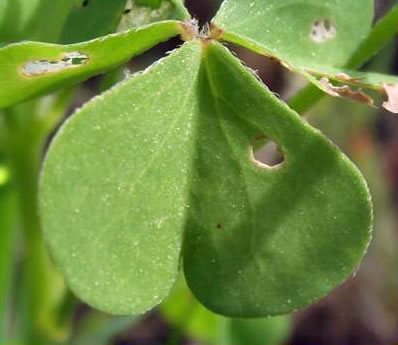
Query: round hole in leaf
pixel 265 153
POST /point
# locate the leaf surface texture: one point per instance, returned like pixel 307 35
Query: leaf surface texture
pixel 161 166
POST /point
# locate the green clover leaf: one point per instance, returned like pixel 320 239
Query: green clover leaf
pixel 161 167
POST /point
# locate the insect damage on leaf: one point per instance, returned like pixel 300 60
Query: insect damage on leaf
pixel 68 60
pixel 392 92
pixel 269 241
pixel 265 153
pixel 347 78
pixel 344 91
pixel 322 31
pixel 353 82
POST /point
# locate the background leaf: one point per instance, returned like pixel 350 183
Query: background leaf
pixel 92 18
pixel 31 68
pixel 264 241
pixel 183 311
pixel 36 20
pixel 114 187
pixel 181 10
pixel 192 319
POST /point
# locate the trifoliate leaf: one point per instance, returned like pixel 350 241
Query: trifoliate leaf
pixel 165 161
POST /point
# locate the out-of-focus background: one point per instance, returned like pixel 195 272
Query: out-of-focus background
pixel 362 311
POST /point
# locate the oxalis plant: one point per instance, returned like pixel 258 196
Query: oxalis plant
pixel 158 174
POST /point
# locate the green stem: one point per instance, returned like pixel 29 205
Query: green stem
pixel 8 224
pixel 382 33
pixel 99 328
pixel 26 132
pixel 111 78
pixel 24 153
pixel 384 30
pixel 305 99
pixel 35 255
